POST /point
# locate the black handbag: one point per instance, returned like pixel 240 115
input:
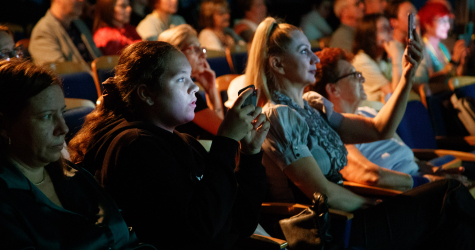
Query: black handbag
pixel 308 229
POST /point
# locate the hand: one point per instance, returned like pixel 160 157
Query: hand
pixel 463 179
pixel 252 142
pixel 237 123
pixel 459 49
pixel 412 56
pixel 207 78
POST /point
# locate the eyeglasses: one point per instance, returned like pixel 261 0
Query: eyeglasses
pixel 16 52
pixel 196 49
pixel 356 75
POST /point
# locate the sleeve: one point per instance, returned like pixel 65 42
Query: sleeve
pixel 424 70
pixel 251 176
pixel 286 140
pixel 44 46
pixel 13 235
pixel 209 40
pixel 321 104
pixel 397 60
pixel 160 197
pixel 149 28
pixel 374 78
pixel 107 41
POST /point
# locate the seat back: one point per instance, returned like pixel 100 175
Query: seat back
pixel 222 84
pixel 415 128
pixel 103 68
pixel 65 68
pixel 219 65
pixel 79 85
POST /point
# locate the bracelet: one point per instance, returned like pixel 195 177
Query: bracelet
pixel 454 62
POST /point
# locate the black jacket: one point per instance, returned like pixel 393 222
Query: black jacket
pixel 174 193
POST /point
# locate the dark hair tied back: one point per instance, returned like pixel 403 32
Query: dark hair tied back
pixel 111 96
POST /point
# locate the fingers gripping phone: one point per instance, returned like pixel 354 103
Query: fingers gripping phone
pixel 251 99
pixel 411 25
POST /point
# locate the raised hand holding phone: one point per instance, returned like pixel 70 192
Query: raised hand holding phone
pixel 411 25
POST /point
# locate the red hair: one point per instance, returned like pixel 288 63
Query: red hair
pixel 430 11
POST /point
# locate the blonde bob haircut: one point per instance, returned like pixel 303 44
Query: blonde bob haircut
pixel 177 35
pixel 271 38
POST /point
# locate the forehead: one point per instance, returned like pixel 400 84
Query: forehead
pixel 120 2
pixel 177 63
pixel 345 67
pixel 6 41
pixel 190 40
pixel 51 98
pixel 298 39
pixel 406 8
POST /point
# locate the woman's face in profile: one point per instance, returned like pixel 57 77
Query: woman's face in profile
pixel 221 18
pixel 384 32
pixel 195 55
pixel 37 135
pixel 122 11
pixel 441 26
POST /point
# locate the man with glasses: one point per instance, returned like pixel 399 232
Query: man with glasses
pixel 7 45
pixel 386 163
pixel 61 36
pixel 350 13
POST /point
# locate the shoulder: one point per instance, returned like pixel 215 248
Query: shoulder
pixel 206 33
pixel 177 20
pixel 284 115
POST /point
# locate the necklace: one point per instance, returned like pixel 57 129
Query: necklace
pixel 44 178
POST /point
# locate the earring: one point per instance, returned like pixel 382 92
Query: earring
pixel 150 102
pixel 9 141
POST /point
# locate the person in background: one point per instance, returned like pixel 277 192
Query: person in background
pixel 255 11
pixel 139 11
pixel 207 117
pixel 45 202
pixel 214 19
pixel 112 31
pixel 385 163
pixel 61 37
pixel 350 13
pixel 438 64
pixel 141 160
pixel 7 44
pixel 371 56
pixel 161 19
pixel 397 13
pixel 314 24
pixel 304 150
pixel 375 6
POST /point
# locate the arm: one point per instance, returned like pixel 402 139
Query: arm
pixel 207 79
pixel 307 176
pixel 361 170
pixel 356 129
pixel 44 46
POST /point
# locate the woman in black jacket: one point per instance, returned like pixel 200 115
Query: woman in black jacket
pixel 173 192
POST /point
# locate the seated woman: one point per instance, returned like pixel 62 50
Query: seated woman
pixel 214 20
pixel 371 56
pixel 438 65
pixel 44 202
pixel 165 182
pixel 112 31
pixel 254 12
pixel 185 39
pixel 385 163
pixel 161 19
pixel 304 150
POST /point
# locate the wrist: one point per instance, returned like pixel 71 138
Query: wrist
pixel 454 62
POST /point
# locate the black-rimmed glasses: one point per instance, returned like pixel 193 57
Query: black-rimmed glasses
pixel 16 52
pixel 356 75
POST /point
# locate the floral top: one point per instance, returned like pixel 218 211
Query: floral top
pixel 301 132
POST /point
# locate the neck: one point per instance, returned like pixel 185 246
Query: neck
pixel 400 36
pixel 164 16
pixel 65 20
pixel 341 106
pixel 350 21
pixel 33 174
pixel 118 24
pixel 433 40
pixel 293 92
pixel 252 19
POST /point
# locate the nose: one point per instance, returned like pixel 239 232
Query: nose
pixel 61 127
pixel 314 59
pixel 193 87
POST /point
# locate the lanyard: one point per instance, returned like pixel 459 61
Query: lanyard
pixel 429 46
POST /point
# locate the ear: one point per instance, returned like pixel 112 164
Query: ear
pixel 275 63
pixel 393 22
pixel 144 94
pixel 333 90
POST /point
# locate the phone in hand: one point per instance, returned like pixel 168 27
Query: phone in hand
pixel 411 25
pixel 251 99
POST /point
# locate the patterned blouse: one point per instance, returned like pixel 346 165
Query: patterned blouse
pixel 300 132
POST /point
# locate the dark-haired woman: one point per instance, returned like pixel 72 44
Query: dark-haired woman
pixel 44 203
pixel 112 31
pixel 371 56
pixel 171 191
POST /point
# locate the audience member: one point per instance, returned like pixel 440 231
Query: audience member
pixel 371 56
pixel 255 11
pixel 350 13
pixel 185 39
pixel 386 163
pixel 302 150
pixel 159 20
pixel 314 24
pixel 438 65
pixel 214 19
pixel 7 44
pixel 60 36
pixel 112 31
pixel 375 6
pixel 139 11
pixel 397 12
pixel 44 202
pixel 130 142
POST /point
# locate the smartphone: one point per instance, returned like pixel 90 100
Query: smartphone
pixel 411 25
pixel 251 99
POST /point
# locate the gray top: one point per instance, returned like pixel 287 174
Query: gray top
pixel 343 37
pixel 151 26
pixel 301 132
